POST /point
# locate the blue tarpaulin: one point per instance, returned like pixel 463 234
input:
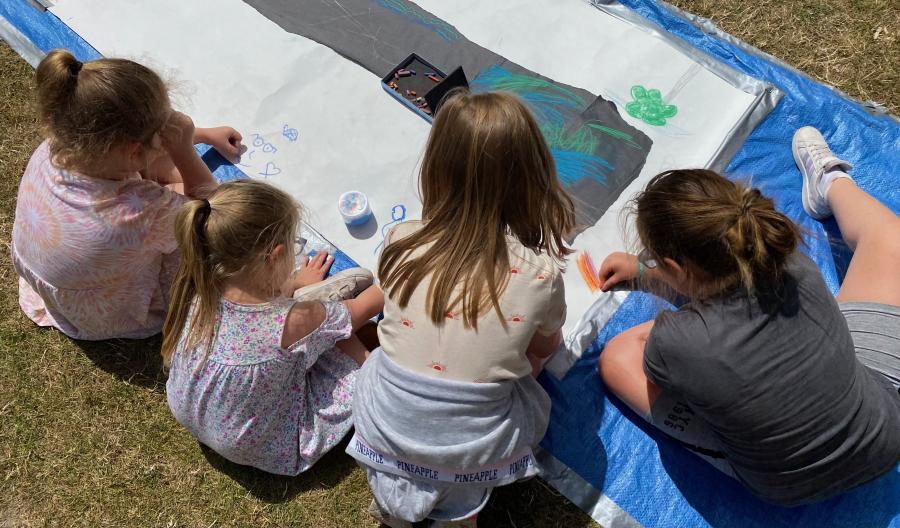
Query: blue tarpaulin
pixel 658 483
pixel 655 482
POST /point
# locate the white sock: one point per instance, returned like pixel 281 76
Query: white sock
pixel 829 177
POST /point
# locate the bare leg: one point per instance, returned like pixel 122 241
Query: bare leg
pixel 368 335
pixel 354 348
pixel 622 369
pixel 873 233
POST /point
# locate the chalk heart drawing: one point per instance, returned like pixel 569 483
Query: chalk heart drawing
pixel 649 107
pixel 270 170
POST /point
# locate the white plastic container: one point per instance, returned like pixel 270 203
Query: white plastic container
pixel 354 208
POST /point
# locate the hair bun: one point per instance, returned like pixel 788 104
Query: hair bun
pixel 75 66
pixel 748 200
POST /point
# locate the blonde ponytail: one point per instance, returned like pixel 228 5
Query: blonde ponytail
pixel 56 77
pixel 87 109
pixel 195 281
pixel 231 233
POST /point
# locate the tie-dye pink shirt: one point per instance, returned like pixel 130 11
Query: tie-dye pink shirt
pixel 95 257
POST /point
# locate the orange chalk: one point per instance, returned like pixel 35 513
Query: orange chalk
pixel 588 271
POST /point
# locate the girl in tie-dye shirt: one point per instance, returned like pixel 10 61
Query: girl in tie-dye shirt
pixel 93 240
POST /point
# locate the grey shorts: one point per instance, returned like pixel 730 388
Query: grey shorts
pixel 875 329
pixel 414 501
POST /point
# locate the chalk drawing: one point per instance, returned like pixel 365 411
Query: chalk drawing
pixel 270 170
pixel 649 107
pixel 422 18
pixel 292 134
pixel 398 214
pixel 588 271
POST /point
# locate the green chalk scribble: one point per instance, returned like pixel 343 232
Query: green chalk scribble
pixel 649 107
pixel 618 134
pixel 580 140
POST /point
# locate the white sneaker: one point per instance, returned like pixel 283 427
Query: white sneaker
pixel 471 522
pixel 815 160
pixel 341 286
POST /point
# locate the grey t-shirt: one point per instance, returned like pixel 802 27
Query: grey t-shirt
pixel 778 381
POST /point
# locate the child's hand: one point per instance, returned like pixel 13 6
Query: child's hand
pixel 313 270
pixel 226 141
pixel 617 268
pixel 178 135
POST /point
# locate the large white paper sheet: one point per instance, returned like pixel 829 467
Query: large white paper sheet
pixel 572 42
pixel 236 67
pixel 318 125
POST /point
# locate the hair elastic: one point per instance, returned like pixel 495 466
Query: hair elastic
pixel 75 67
pixel 201 218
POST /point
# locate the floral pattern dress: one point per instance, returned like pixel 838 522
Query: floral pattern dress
pixel 95 257
pixel 258 404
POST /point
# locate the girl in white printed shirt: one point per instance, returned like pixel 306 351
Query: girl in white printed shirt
pixel 449 408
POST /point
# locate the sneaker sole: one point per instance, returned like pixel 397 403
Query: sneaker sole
pixel 363 279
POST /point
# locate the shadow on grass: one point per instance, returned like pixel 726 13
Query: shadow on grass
pixel 136 361
pixel 330 470
pixel 521 505
pixel 531 504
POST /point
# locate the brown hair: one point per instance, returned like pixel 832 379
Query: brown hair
pixel 231 233
pixel 487 173
pixel 730 233
pixel 87 109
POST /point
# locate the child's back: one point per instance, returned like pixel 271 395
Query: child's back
pixel 448 409
pixel 94 256
pixel 260 379
pixel 93 241
pixel 257 403
pixel 533 301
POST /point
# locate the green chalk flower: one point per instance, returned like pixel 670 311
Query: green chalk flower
pixel 649 107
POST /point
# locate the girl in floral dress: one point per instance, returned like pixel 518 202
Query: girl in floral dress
pixel 262 378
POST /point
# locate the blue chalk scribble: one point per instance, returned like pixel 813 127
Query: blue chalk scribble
pixel 292 134
pixel 546 100
pixel 573 166
pixel 574 148
pixel 422 18
pixel 270 170
pixel 398 214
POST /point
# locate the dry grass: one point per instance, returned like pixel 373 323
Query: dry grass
pixel 86 437
pixel 853 45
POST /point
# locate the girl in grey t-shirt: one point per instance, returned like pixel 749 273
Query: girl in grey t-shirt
pixel 763 373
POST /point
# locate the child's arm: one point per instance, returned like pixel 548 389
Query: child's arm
pixel 226 140
pixel 619 267
pixel 178 142
pixel 365 306
pixel 542 346
pixel 548 334
pixel 540 349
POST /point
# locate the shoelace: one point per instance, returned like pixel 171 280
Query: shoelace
pixel 821 157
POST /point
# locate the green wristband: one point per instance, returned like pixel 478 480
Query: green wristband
pixel 641 270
